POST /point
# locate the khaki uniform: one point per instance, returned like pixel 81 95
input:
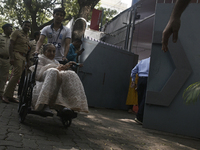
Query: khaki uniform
pixel 20 51
pixel 4 61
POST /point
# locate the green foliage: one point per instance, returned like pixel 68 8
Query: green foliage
pixel 191 93
pixel 16 11
pixel 108 14
pixel 71 8
pixel 39 12
pixel 2 22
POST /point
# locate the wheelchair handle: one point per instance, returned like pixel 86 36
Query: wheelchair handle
pixel 36 55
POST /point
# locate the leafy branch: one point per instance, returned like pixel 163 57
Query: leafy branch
pixel 191 93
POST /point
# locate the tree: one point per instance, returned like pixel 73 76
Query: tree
pixel 108 14
pixel 2 22
pixel 16 11
pixel 85 7
pixel 40 12
pixel 71 8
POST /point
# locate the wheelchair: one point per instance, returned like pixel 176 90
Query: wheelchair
pixel 25 89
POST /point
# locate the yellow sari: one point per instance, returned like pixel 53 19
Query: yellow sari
pixel 132 97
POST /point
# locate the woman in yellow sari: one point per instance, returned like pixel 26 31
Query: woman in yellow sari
pixel 132 97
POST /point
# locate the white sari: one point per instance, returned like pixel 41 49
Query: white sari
pixel 57 89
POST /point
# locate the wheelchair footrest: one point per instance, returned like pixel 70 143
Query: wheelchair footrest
pixel 41 113
pixel 70 114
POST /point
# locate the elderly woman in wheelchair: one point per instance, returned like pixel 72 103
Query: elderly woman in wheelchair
pixel 57 87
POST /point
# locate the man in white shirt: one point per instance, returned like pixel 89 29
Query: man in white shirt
pixel 57 34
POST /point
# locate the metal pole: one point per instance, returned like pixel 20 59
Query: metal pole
pixel 128 32
pixel 102 19
pixel 133 28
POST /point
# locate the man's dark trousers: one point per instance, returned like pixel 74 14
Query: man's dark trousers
pixel 141 88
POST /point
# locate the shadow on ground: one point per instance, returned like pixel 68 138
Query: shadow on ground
pixel 101 129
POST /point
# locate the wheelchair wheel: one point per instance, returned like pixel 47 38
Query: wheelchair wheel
pixel 22 113
pixel 24 99
pixel 21 83
pixel 23 92
pixel 66 121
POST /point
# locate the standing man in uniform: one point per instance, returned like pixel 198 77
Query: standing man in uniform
pixel 142 69
pixel 4 57
pixel 18 48
pixel 57 34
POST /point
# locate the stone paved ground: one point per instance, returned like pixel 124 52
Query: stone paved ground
pixel 101 129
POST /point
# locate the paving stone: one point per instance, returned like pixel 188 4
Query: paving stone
pixel 69 143
pixel 101 129
pixel 32 137
pixel 45 147
pixel 83 146
pixel 3 130
pixel 29 143
pixel 2 106
pixel 4 122
pixel 2 148
pixel 22 148
pixel 13 123
pixel 2 137
pixel 50 143
pixel 74 148
pixel 14 137
pixel 14 130
pixel 38 133
pixel 65 148
pixel 25 130
pixel 11 143
pixel 53 138
pixel 6 114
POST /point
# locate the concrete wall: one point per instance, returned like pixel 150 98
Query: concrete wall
pixel 106 74
pixel 171 73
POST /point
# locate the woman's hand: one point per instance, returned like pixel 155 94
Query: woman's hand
pixel 133 85
pixel 60 67
pixel 68 65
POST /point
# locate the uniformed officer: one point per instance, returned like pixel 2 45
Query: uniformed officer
pixel 18 48
pixel 4 57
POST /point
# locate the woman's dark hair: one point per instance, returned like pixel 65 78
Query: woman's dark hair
pixel 59 10
pixel 45 47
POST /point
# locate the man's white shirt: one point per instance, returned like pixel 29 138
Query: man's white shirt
pixel 57 38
